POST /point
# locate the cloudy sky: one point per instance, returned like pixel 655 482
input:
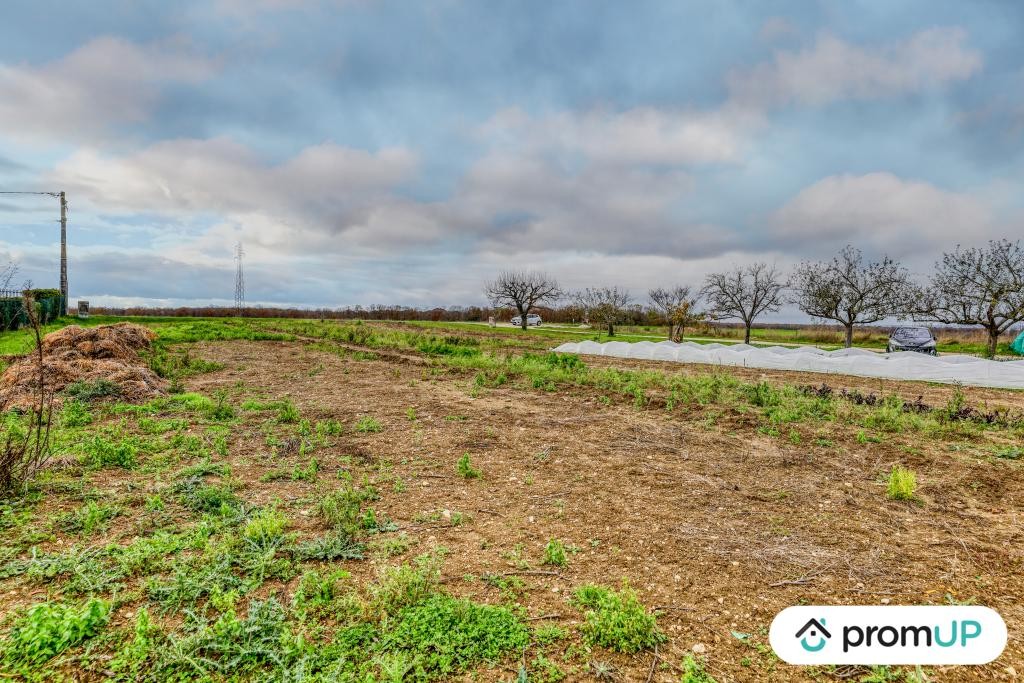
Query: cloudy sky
pixel 370 151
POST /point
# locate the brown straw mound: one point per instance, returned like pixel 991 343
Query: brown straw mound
pixel 73 354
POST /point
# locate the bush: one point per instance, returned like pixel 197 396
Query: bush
pixel 616 619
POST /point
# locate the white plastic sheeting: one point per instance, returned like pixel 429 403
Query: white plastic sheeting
pixel 962 369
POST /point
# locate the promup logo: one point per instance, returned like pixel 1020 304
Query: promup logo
pixel 888 635
pixel 817 630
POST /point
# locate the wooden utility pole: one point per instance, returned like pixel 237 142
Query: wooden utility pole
pixel 64 250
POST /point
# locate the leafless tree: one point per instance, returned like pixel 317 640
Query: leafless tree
pixel 977 286
pixel 522 290
pixel 7 274
pixel 850 291
pixel 744 293
pixel 678 308
pixel 604 304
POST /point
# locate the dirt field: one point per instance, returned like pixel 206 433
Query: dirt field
pixel 717 524
pixel 719 529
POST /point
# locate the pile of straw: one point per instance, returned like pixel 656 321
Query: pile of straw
pixel 73 354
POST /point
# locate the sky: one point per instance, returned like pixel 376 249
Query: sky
pixel 394 152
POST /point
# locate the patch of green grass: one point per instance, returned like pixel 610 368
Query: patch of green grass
pixel 616 619
pixel 49 628
pixel 465 468
pixel 902 484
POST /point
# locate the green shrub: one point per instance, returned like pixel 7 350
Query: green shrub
pixel 616 619
pixel 465 468
pixel 49 628
pixel 902 483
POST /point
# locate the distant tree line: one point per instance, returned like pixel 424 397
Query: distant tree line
pixel 977 286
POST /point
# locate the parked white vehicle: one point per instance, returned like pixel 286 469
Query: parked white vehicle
pixel 531 319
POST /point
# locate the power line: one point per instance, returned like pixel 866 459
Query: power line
pixel 239 281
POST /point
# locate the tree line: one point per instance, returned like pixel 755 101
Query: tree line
pixel 974 286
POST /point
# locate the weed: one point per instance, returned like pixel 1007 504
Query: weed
pixel 221 410
pixel 902 483
pixel 554 553
pixel 694 671
pixel 410 414
pixel 334 545
pixel 616 619
pixel 49 628
pixel 391 546
pixel 405 585
pixel 1010 453
pixel 287 413
pixel 369 425
pixel 447 636
pixel 75 414
pixel 549 634
pixel 543 670
pixel 91 390
pixel 99 452
pixel 89 518
pixel 307 473
pixel 317 591
pixel 465 468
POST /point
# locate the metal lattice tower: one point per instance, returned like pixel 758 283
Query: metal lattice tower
pixel 239 281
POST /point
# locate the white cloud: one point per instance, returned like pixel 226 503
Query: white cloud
pixel 106 81
pixel 642 135
pixel 881 212
pixel 301 203
pixel 832 70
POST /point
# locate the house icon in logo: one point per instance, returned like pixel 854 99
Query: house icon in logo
pixel 814 629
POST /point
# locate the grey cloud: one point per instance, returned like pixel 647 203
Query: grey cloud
pixel 105 82
pixel 832 69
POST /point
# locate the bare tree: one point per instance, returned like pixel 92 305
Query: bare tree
pixel 850 291
pixel 677 307
pixel 522 290
pixel 978 286
pixel 744 293
pixel 7 274
pixel 604 304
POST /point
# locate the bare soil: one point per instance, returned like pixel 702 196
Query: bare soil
pixel 715 525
